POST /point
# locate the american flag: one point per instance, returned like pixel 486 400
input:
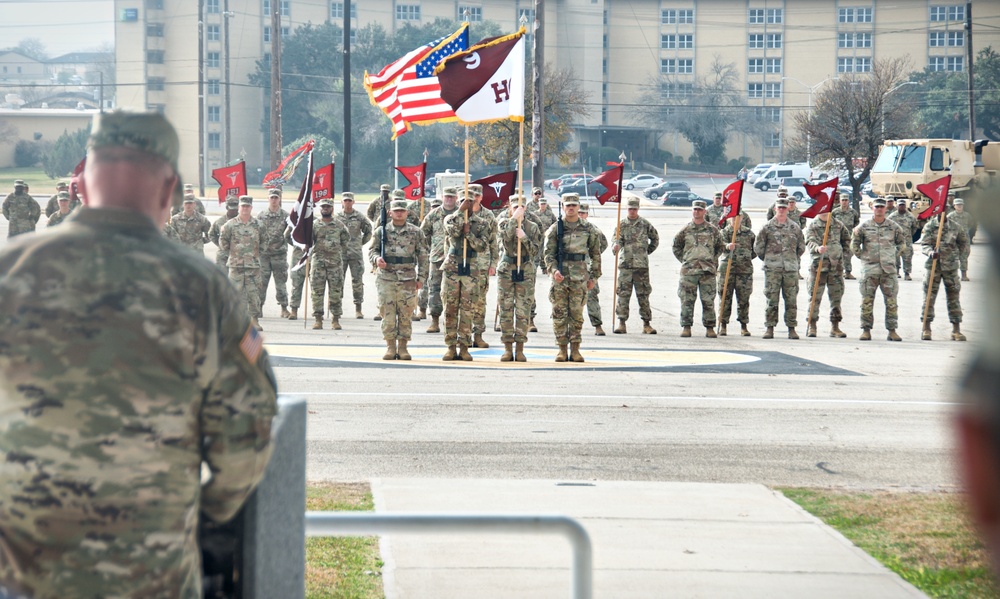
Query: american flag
pixel 407 90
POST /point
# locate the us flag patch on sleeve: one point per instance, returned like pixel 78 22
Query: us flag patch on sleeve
pixel 252 344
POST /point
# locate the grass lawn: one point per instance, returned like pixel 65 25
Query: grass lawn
pixel 38 182
pixel 342 567
pixel 926 538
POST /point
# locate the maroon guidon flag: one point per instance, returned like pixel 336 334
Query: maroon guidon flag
pixel 232 180
pixel 486 82
pixel 416 176
pixel 497 189
pixel 286 169
pixel 301 216
pixel 937 191
pixel 823 193
pixel 732 200
pixel 611 179
pixel 323 183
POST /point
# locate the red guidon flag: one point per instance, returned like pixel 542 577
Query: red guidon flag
pixel 323 183
pixel 416 177
pixel 301 216
pixel 232 180
pixel 611 179
pixel 497 189
pixel 823 193
pixel 486 82
pixel 937 191
pixel 732 199
pixel 286 169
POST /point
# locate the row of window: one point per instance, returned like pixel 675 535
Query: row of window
pixel 946 63
pixel 773 40
pixel 763 90
pixel 940 39
pixel 776 16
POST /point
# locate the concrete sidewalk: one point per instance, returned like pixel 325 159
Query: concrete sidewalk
pixel 649 540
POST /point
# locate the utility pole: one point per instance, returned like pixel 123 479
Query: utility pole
pixel 201 98
pixel 537 113
pixel 972 95
pixel 275 85
pixel 345 171
pixel 227 140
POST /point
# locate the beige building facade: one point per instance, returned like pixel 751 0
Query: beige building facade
pixel 784 51
pixel 40 124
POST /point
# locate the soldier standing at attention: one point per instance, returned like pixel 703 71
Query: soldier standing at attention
pixel 188 193
pixel 53 206
pixel 488 259
pixel 850 219
pixel 513 296
pixel 375 206
pixel 62 213
pixel 827 264
pixel 740 275
pixel 402 271
pixel 468 234
pixel 242 239
pixel 877 241
pixel 779 244
pixel 772 210
pixel 102 481
pixel 594 295
pixel 360 229
pixel 215 233
pixel 716 210
pixel 954 244
pixel 417 211
pixel 908 223
pixel 274 255
pixel 697 246
pixel 545 217
pixel 566 258
pixel 637 239
pixel 21 210
pixel 965 220
pixel 435 238
pixel 330 243
pixel 190 228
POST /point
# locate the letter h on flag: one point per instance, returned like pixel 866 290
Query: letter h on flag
pixel 486 82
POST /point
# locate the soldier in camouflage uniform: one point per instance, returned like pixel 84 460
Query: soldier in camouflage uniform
pixel 827 264
pixel 467 234
pixel 274 254
pixel 594 295
pixel 779 244
pixel 119 388
pixel 964 219
pixel 717 210
pixel 850 219
pixel 877 241
pixel 908 223
pixel 214 234
pixel 243 238
pixel 402 271
pixel 53 206
pixel 781 193
pixel 954 244
pixel 360 230
pixel 545 217
pixel 574 277
pixel 740 275
pixel 434 235
pixel 188 193
pixel 330 243
pixel 514 297
pixel 697 246
pixel 21 210
pixel 637 239
pixel 297 276
pixel 64 211
pixel 416 211
pixel 189 228
pixel 487 265
pixel 375 206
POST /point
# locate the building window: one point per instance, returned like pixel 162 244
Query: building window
pixel 955 63
pixel 284 32
pixel 774 114
pixel 160 108
pixel 212 60
pixel 214 114
pixel 337 10
pixel 845 15
pixel 774 15
pixel 668 66
pixel 155 84
pixel 685 41
pixel 755 65
pixel 154 56
pixel 756 16
pixel 212 33
pixel 673 16
pixel 685 66
pixel 472 14
pixel 154 30
pixel 956 13
pixel 214 141
pixel 773 141
pixel 845 40
pixel 755 90
pixel 772 90
pixel 956 38
pixel 671 42
pixel 863 40
pixel 354 36
pixel 773 65
pixel 938 13
pixel 212 87
pixel 773 40
pixel 286 8
pixel 212 7
pixel 407 12
pixel 854 65
pixel 267 8
pixel 937 39
pixel 668 42
pixel 677 90
pixel 267 35
pixel 864 15
pixel 936 63
pixel 756 41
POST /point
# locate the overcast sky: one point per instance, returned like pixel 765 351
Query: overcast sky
pixel 63 26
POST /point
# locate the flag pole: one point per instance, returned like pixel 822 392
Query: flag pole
pixel 306 289
pixel 520 189
pixel 395 166
pixel 464 268
pixel 934 261
pixel 423 186
pixel 729 265
pixel 819 269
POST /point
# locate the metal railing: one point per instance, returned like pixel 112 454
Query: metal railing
pixel 345 524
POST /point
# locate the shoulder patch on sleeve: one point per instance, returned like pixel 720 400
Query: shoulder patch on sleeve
pixel 252 344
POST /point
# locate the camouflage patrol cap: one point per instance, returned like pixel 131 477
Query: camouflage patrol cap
pixel 62 185
pixel 189 187
pixel 148 132
pixel 890 200
pixel 326 202
pixel 435 202
pixel 398 194
pixel 781 202
pixel 398 205
pixel 62 195
pixel 584 207
pixel 246 201
pixel 958 202
pixel 514 198
pixel 189 199
pixel 232 202
pixel 385 187
pixel 543 200
pixel 570 199
pixel 476 188
pixel 782 191
pixel 450 191
pixel 468 195
pixel 347 196
pixel 878 202
pixel 274 192
pixel 535 190
pixel 699 204
pixel 19 183
pixel 633 203
pixel 845 196
pixel 717 196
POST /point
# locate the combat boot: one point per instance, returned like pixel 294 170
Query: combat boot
pixel 435 325
pixel 284 312
pixel 357 312
pixel 335 323
pixel 463 353
pixel 531 326
pixel 561 356
pixel 478 341
pixel 377 317
pixel 519 352
pixel 599 331
pixel 744 330
pixel 685 331
pixel 390 350
pixel 574 352
pixel 849 276
pixel 647 329
pixel 792 334
pixel 893 336
pixel 866 334
pixel 256 324
pixel 423 313
pixel 416 316
pixel 449 355
pixel 835 330
pixel 769 333
pixel 907 277
pixel 811 329
pixel 508 353
pixel 722 330
pixel 710 332
pixel 620 329
pixel 965 275
pixel 318 324
pixel 401 352
pixel 925 334
pixel 956 332
pixel 294 314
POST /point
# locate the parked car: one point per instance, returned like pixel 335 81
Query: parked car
pixel 779 171
pixel 641 181
pixel 682 198
pixel 796 189
pixel 664 188
pixel 558 181
pixel 757 171
pixel 577 186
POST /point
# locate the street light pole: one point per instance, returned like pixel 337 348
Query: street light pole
pixel 886 95
pixel 811 88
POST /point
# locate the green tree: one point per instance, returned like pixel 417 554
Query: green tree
pixel 943 108
pixel 33 47
pixel 67 151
